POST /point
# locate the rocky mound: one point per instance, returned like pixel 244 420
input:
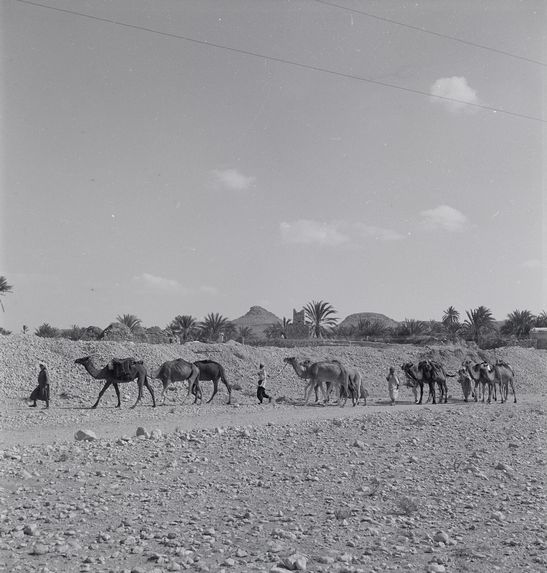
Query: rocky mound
pixel 258 319
pixel 353 319
pixel 19 356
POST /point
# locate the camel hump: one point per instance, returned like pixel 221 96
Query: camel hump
pixel 122 367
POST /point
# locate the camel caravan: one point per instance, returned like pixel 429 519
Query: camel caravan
pixel 323 376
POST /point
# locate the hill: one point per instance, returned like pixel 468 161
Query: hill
pixel 353 319
pixel 258 319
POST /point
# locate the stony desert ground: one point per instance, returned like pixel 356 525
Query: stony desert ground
pixel 270 488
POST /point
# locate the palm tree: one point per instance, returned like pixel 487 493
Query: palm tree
pixel 24 329
pixel 366 327
pixel 47 331
pixel 75 332
pixel 541 319
pixel 519 323
pixel 4 332
pixel 244 333
pixel 130 320
pixel 320 317
pixel 212 325
pixel 275 330
pixel 184 326
pixel 479 320
pixel 451 319
pixel 5 288
pixel 411 327
pixel 230 331
pixel 285 327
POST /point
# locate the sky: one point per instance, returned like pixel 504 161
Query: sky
pixel 188 157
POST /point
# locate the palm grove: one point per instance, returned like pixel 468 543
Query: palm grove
pixel 478 325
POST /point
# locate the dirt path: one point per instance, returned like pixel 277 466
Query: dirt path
pixel 60 424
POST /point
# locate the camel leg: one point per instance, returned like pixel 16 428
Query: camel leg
pixel 324 393
pixel 196 388
pixel 103 390
pixel 151 390
pixel 165 385
pixel 421 393
pixel 432 391
pixel 307 389
pixel 215 390
pixel 229 389
pixel 117 388
pixel 513 389
pixel 343 385
pixel 139 395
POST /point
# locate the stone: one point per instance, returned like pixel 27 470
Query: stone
pixel 442 536
pixel 295 562
pixel 39 549
pixel 85 436
pixel 30 529
pixel 142 432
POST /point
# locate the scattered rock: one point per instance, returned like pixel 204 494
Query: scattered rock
pixel 85 436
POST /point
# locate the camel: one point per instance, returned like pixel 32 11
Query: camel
pixel 474 371
pixel 435 371
pixel 506 376
pixel 211 370
pixel 483 374
pixel 134 370
pixel 355 380
pixel 319 372
pixel 500 374
pixel 415 375
pixel 178 370
pixel 357 385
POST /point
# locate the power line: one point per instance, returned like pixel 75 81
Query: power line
pixel 281 60
pixel 431 32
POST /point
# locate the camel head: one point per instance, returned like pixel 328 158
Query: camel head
pixel 83 360
pixel 289 360
pixel 411 372
pixel 487 370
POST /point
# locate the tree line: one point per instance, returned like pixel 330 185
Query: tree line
pixel 478 325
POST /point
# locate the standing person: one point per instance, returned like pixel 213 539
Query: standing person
pixel 261 388
pixel 392 385
pixel 41 392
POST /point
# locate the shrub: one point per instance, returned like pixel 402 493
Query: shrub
pixel 47 331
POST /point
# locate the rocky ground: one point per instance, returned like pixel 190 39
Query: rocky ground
pixel 271 488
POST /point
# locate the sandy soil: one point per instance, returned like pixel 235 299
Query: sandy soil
pixel 277 487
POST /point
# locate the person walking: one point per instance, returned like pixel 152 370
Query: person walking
pixel 41 392
pixel 261 388
pixel 392 385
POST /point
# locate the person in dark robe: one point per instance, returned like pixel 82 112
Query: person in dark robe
pixel 41 392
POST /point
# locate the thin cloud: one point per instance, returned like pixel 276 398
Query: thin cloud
pixel 232 180
pixel 307 232
pixel 378 233
pixel 152 283
pixel 209 289
pixel 454 88
pixel 333 233
pixel 532 264
pixel 444 218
